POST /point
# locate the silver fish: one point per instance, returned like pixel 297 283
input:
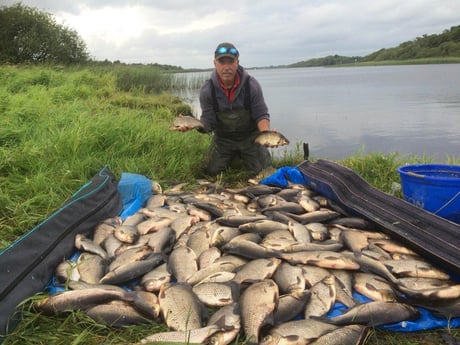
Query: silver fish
pixel 319 231
pixel 153 280
pixel 297 332
pixel 322 297
pixel 300 232
pixel 313 274
pixel 145 302
pixel 180 307
pixel 84 243
pixel 227 263
pixel 373 287
pixel 237 220
pixel 183 223
pixel 219 277
pixel 263 226
pixel 308 203
pixel 208 256
pixel 223 234
pixel 248 249
pixel 256 270
pixel 156 200
pixel 133 219
pixel 130 255
pixel 325 259
pixel 185 121
pixel 91 267
pixel 132 270
pixel 162 241
pixel 271 138
pixel 232 319
pixel 415 268
pixel 199 240
pixel 289 278
pixel 349 335
pixel 375 313
pixel 104 229
pixel 448 292
pixel 214 294
pixel 191 336
pixel 81 285
pixel 370 265
pixel 392 246
pixel 71 300
pixel 257 303
pixel 126 233
pixel 67 271
pixel 321 215
pixel 288 207
pixel 182 263
pixel 111 245
pixel 116 314
pixel 153 224
pixel 291 305
pixel 423 283
pixel 279 240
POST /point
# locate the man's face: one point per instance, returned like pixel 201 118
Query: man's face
pixel 226 69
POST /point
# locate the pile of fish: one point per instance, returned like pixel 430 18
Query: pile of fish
pixel 258 264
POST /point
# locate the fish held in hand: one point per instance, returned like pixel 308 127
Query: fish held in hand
pixel 271 139
pixel 185 122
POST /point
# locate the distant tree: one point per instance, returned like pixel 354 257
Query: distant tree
pixel 446 44
pixel 28 35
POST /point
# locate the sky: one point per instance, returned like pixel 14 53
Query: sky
pixel 266 32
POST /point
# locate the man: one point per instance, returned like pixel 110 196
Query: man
pixel 234 109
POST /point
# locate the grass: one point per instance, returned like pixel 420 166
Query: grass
pixel 59 127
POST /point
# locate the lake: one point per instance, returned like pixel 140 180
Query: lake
pixel 413 110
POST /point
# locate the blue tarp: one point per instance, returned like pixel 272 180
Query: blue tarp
pixel 135 190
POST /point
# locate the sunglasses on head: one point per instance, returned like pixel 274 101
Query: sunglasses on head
pixel 226 50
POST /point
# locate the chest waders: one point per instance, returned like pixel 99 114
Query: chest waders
pixel 234 136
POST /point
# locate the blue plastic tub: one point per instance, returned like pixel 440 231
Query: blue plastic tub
pixel 433 187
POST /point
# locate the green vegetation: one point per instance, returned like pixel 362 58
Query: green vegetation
pixel 329 60
pixel 446 44
pixel 442 48
pixel 59 127
pixel 28 35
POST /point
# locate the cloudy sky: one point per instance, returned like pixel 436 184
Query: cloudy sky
pixel 266 32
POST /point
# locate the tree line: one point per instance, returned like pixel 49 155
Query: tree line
pixel 28 35
pixel 446 44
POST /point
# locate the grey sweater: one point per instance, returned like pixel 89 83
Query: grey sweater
pixel 258 108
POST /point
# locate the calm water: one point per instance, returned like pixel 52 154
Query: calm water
pixel 342 111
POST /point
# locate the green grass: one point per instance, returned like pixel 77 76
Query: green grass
pixel 59 127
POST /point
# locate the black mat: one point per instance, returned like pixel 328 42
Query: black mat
pixel 433 237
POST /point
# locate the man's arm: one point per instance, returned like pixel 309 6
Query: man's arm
pixel 263 125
